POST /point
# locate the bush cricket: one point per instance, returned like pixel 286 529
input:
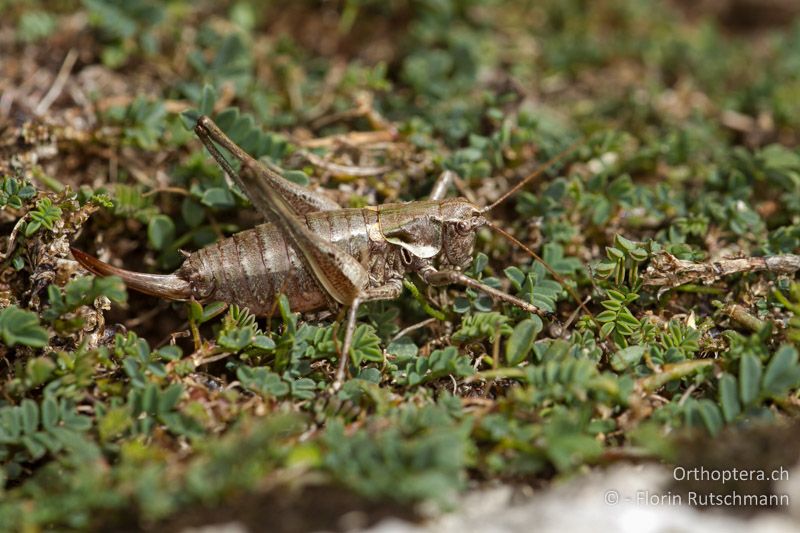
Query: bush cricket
pixel 321 255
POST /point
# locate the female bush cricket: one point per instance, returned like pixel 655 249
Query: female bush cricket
pixel 318 254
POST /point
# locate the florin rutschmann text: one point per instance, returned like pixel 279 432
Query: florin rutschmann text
pixel 709 498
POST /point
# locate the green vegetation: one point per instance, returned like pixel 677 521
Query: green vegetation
pixel 121 408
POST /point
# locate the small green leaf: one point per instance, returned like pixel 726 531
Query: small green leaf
pixel 614 254
pixel 607 316
pixel 370 374
pixel 32 227
pixel 169 353
pixel 638 254
pixel 625 243
pixel 211 310
pixel 749 378
pixel 30 416
pixel 303 388
pixel 516 276
pixel 49 413
pixel 710 414
pixel 160 232
pixel 625 317
pixel 49 441
pixel 192 212
pixel 261 380
pixel 207 100
pixel 623 328
pixel 366 345
pixel 627 357
pixel 38 370
pixel 615 295
pixel 169 398
pixel 189 118
pixel 782 371
pixel 218 197
pixel 263 342
pixel 461 305
pixel 21 327
pixel 521 340
pixel 297 176
pixel 35 449
pixel 150 399
pixel 195 310
pixel 227 118
pixel 480 262
pixel 403 348
pixel 611 305
pixel 729 397
pixel 236 339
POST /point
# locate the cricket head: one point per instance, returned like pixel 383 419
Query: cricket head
pixel 460 222
pixel 439 230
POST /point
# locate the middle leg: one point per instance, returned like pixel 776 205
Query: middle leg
pixel 389 291
pixel 446 277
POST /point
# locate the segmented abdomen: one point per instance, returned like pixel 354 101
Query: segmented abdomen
pixel 252 267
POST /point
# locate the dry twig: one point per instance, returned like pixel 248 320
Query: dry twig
pixel 58 84
pixel 343 170
pixel 666 270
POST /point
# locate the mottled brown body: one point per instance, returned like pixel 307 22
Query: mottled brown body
pixel 252 267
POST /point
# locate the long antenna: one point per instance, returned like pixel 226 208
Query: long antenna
pixel 547 267
pixel 533 175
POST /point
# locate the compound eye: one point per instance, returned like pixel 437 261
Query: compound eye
pixel 463 227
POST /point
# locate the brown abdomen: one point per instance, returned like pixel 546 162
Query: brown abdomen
pixel 251 268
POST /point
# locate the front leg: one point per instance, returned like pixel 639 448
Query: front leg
pixel 434 277
pixel 389 291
